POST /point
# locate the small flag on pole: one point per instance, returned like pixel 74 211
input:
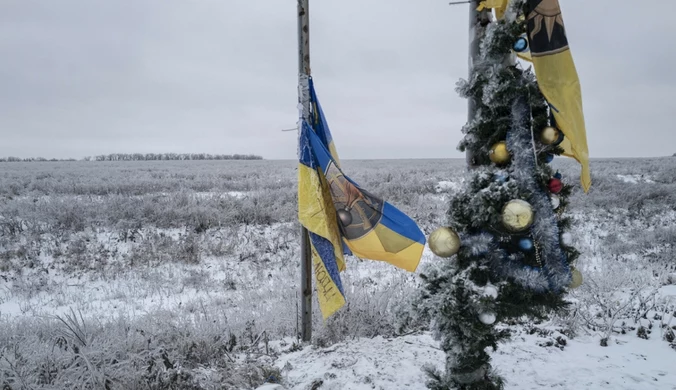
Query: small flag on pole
pixel 343 218
pixel 500 6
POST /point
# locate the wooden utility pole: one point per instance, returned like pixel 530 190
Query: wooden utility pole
pixel 478 20
pixel 304 108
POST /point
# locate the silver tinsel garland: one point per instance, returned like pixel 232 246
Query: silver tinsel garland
pixel 555 273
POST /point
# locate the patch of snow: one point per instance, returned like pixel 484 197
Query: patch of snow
pixel 525 363
pixel 271 386
pixel 668 291
pixel 376 363
pixel 233 194
pixel 629 363
pixel 635 179
pixel 226 282
pixel 444 186
pixel 237 194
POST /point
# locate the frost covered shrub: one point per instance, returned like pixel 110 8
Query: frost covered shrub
pixel 655 246
pixel 159 352
pixel 616 298
pixel 372 309
pixel 133 212
pixel 652 193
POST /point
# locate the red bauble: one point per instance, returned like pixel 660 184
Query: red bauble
pixel 555 185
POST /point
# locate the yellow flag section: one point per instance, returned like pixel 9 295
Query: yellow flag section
pixel 500 6
pixel 343 218
pixel 558 79
pixel 317 214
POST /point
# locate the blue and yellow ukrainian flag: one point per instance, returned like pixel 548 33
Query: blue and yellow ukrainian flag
pixel 343 218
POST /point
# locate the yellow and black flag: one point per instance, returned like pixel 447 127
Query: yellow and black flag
pixel 558 79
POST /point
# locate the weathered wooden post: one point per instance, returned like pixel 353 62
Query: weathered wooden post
pixel 304 109
pixel 477 21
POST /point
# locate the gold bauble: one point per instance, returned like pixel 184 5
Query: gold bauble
pixel 517 215
pixel 576 281
pixel 550 135
pixel 499 153
pixel 444 242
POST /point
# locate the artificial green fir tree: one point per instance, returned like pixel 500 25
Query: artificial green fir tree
pixel 505 268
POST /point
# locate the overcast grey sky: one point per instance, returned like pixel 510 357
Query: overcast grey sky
pixel 86 77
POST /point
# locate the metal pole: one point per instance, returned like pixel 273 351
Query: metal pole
pixel 477 22
pixel 304 107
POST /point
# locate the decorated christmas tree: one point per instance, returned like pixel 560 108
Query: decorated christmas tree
pixel 507 248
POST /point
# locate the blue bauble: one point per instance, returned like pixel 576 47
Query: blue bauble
pixel 557 175
pixel 526 244
pixel 549 158
pixel 520 45
pixel 501 177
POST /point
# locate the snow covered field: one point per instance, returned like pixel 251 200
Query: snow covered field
pixel 185 275
pixel 526 363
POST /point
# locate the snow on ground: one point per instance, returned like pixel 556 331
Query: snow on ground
pixel 102 198
pixel 447 186
pixel 630 363
pixel 257 279
pixel 146 288
pixel 231 283
pixel 234 194
pixel 389 364
pixel 271 386
pixel 635 179
pixel 363 363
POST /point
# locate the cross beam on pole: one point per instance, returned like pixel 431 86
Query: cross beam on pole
pixel 304 108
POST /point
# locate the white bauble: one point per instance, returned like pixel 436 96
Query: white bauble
pixel 491 291
pixel 487 318
pixel 567 239
pixel 556 201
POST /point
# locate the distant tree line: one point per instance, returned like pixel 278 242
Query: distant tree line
pixel 33 159
pixel 171 156
pixel 142 157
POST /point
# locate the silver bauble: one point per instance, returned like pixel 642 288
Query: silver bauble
pixel 487 318
pixel 567 239
pixel 556 201
pixel 491 291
